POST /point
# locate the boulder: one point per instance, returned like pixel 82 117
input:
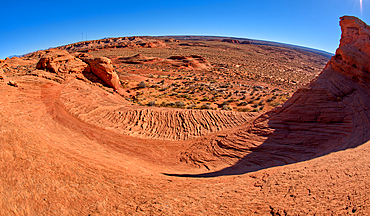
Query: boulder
pixel 61 62
pixel 13 83
pixel 103 68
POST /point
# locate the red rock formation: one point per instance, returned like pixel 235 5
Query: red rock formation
pixel 103 68
pixel 330 114
pixel 61 62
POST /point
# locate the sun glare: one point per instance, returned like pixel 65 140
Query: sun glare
pixel 361 6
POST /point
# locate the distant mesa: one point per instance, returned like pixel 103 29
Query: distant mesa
pixel 246 42
pixel 180 62
pixel 121 42
pixel 231 41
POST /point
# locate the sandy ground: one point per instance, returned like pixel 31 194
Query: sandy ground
pixel 52 163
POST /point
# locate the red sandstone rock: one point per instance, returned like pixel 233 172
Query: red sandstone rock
pixel 103 68
pixel 61 62
pixel 352 56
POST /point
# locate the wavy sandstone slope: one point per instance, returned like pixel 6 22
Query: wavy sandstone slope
pixel 330 114
pixel 95 108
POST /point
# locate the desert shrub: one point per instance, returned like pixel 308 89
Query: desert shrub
pixel 142 84
pixel 275 104
pixel 205 106
pixel 225 107
pixel 187 96
pixel 244 110
pixel 151 103
pixel 179 104
pixel 192 106
pixel 242 103
pixel 204 99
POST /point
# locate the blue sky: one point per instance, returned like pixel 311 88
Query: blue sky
pixel 28 26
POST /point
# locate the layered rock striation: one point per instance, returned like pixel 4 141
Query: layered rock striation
pixel 92 107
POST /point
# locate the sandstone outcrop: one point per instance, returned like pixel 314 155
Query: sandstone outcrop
pixel 61 62
pixel 330 114
pixel 103 68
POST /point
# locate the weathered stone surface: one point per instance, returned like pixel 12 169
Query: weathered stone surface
pixel 61 62
pixel 103 68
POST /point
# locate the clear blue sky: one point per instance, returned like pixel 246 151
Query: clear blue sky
pixel 28 26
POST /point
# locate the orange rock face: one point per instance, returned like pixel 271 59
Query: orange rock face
pixel 352 56
pixel 61 62
pixel 103 68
